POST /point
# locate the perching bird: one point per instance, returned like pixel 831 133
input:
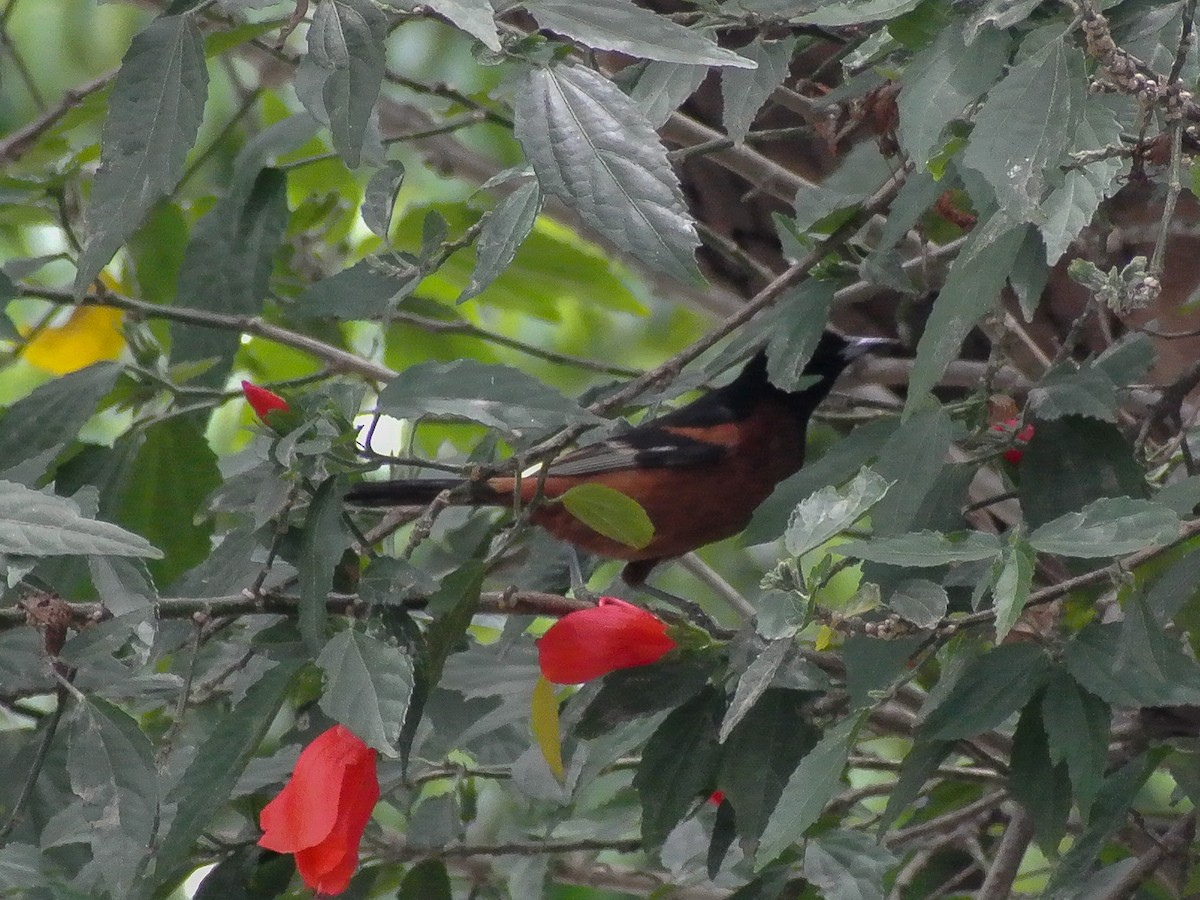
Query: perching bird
pixel 699 472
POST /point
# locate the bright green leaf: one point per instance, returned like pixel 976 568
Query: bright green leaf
pixel 610 513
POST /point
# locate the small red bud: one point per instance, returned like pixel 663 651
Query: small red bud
pixel 262 401
pixel 1014 454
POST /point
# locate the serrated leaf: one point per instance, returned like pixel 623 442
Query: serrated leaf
pixel 795 327
pixel 631 693
pixel 475 17
pixel 847 865
pixel 1010 589
pixel 379 200
pixel 321 545
pixel 1086 392
pixel 227 264
pixel 543 722
pixel 1026 124
pixel 111 767
pixel 813 784
pixel 1090 655
pixel 744 91
pixel 497 396
pixel 592 147
pixel 620 25
pixel 856 12
pixel 678 764
pixel 359 292
pixel 924 548
pixel 346 40
pixel 971 289
pixel 1036 781
pixel 427 880
pixel 760 754
pixel 919 601
pixel 992 687
pixel 504 230
pixel 1110 526
pixel 609 512
pixel 919 765
pixel 26 430
pixel 913 457
pixel 37 524
pixel 941 82
pixel 162 495
pixel 752 682
pixel 1077 727
pixel 368 687
pixel 662 87
pixel 219 761
pixel 154 112
pixel 831 511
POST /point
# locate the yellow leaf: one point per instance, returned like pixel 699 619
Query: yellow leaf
pixel 826 638
pixel 90 334
pixel 543 721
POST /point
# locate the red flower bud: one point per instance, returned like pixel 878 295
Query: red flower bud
pixel 592 642
pixel 716 798
pixel 321 813
pixel 262 401
pixel 1014 454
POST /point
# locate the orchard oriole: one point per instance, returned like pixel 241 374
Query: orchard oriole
pixel 699 472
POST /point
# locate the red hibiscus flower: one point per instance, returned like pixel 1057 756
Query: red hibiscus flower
pixel 262 401
pixel 320 814
pixel 1013 454
pixel 592 642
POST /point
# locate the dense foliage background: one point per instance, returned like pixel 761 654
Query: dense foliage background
pixel 945 659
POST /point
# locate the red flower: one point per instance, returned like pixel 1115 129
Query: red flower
pixel 716 798
pixel 262 401
pixel 321 812
pixel 1014 454
pixel 592 642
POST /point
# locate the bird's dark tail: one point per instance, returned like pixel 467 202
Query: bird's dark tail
pixel 419 492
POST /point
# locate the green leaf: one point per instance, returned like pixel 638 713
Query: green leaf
pixel 21 869
pixel 227 264
pixel 504 230
pixel 368 687
pixel 497 396
pixel 111 768
pixel 813 784
pixel 913 458
pixel 941 82
pixel 632 693
pixel 390 580
pixel 379 200
pixel 662 87
pixel 1037 782
pixel 831 511
pixel 591 147
pixel 609 512
pixel 847 865
pixel 679 763
pixel 1077 728
pixel 37 524
pixel 427 880
pixel 752 682
pixel 1132 664
pixel 873 664
pixel 1108 527
pixel 795 326
pixel 163 494
pixel 924 548
pixel 919 765
pixel 1011 583
pixel 346 40
pixel 919 601
pixel 359 292
pixel 992 687
pixel 972 286
pixel 475 17
pixel 1071 462
pixel 1066 392
pixel 154 113
pixel 219 762
pixel 1026 124
pixel 858 175
pixel 744 91
pixel 321 545
pixel 26 430
pixel 620 25
pixel 760 755
pixel 856 12
pixel 1178 587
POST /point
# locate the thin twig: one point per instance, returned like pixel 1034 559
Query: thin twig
pixel 1003 872
pixel 21 140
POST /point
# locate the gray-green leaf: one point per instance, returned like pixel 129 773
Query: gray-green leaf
pixel 346 40
pixel 744 91
pixel 1108 527
pixel 831 510
pixel 924 548
pixel 37 524
pixel 504 230
pixel 369 687
pixel 154 115
pixel 592 147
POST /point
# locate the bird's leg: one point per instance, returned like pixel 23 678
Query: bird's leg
pixel 690 609
pixel 578 586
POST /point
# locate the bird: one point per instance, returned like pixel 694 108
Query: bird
pixel 699 471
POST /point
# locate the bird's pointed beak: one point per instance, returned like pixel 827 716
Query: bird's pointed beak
pixel 857 347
